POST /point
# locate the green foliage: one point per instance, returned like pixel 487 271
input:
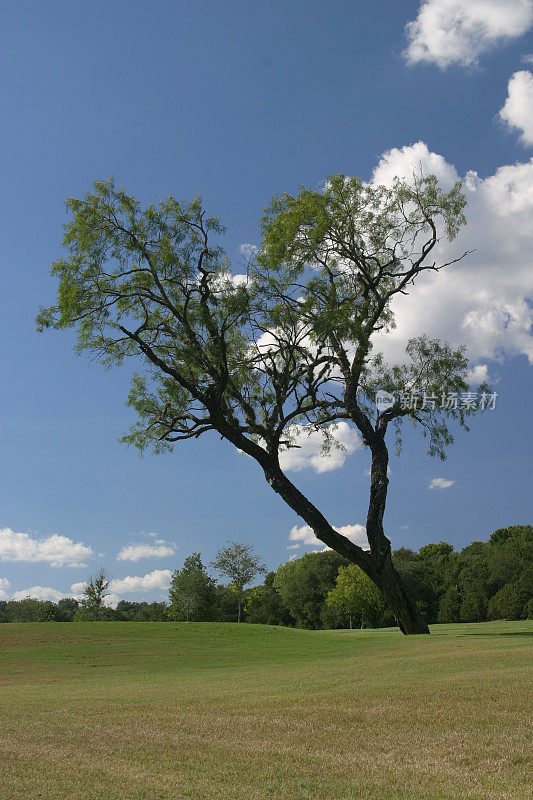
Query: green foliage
pixel 264 605
pixel 129 611
pixel 241 565
pixel 92 606
pixel 149 283
pixel 226 603
pixel 450 605
pixel 510 602
pixel 355 596
pixel 466 586
pixel 66 609
pixel 304 583
pixel 192 591
pixel 341 254
pixel 473 604
pixel 30 610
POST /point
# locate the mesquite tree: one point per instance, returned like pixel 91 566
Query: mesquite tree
pixel 264 358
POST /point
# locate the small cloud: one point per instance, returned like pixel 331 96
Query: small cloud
pixel 135 552
pixel 404 527
pixel 157 579
pixel 478 374
pixel 307 447
pixel 247 250
pixel 293 546
pixel 305 535
pixel 518 109
pixel 58 551
pixel 111 600
pixel 440 483
pixel 4 586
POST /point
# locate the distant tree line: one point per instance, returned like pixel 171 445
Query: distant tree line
pixel 484 581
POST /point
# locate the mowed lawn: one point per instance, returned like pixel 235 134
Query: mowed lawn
pixel 165 711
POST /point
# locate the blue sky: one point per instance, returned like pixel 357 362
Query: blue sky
pixel 237 101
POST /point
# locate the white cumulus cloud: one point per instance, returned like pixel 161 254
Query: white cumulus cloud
pixel 308 453
pixel 77 589
pixel 58 551
pixel 304 535
pixel 136 552
pixel 40 593
pixel 518 109
pixel 484 301
pixel 478 374
pixel 247 250
pixel 157 579
pixel 4 586
pixel 440 483
pixel 449 32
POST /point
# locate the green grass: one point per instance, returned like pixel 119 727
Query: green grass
pixel 168 711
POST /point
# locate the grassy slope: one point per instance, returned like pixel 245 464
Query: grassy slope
pixel 164 711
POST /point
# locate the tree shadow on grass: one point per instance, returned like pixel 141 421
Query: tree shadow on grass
pixel 486 634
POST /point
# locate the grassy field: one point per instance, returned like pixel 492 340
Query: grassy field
pixel 168 711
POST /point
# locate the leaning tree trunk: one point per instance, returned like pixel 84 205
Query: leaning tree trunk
pixel 385 576
pixel 377 563
pixel 399 598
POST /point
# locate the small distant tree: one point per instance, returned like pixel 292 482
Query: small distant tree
pixel 355 595
pixel 191 593
pixel 92 606
pixel 241 565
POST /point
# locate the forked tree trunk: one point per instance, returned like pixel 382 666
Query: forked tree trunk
pixel 377 563
pixel 387 579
